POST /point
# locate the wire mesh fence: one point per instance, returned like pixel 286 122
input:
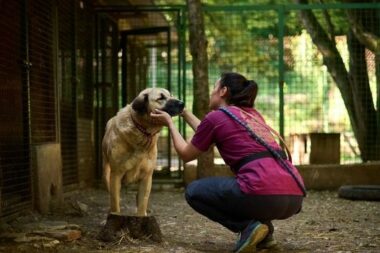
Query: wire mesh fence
pixel 15 184
pixel 42 90
pixel 317 99
pixel 67 91
pixel 147 55
pixel 150 57
pixel 85 70
pixel 321 114
pixel 42 93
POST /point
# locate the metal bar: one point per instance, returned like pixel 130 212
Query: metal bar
pixel 326 6
pixel 103 45
pixel 289 7
pixel 169 43
pixel 124 59
pixel 179 71
pixel 183 49
pixel 55 69
pixel 97 94
pixel 75 81
pixel 183 66
pixel 170 181
pixel 125 8
pixel 178 57
pixel 149 30
pixel 26 100
pixel 169 88
pixel 281 28
pixel 238 8
pixel 115 61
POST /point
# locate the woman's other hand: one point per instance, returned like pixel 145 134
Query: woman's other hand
pixel 190 119
pixel 161 117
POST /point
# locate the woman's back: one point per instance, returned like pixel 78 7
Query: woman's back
pixel 261 176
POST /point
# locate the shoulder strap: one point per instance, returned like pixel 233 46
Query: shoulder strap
pixel 266 145
pixel 271 130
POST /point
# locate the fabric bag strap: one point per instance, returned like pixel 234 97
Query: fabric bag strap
pixel 266 145
pixel 269 129
pixel 249 158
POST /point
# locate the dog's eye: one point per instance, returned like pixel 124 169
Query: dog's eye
pixel 161 98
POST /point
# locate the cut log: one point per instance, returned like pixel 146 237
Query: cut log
pixel 135 226
pixel 62 235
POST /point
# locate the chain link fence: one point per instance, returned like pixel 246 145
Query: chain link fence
pixel 325 116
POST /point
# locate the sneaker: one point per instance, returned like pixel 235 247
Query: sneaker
pixel 268 243
pixel 254 233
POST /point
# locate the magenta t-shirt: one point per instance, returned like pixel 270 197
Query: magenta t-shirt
pixel 264 176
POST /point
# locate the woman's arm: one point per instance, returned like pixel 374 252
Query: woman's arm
pixel 186 151
pixel 190 119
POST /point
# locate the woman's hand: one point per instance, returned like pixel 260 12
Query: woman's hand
pixel 183 113
pixel 161 117
pixel 186 152
pixel 190 119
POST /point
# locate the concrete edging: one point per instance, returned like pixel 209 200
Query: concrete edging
pixel 331 177
pixel 316 177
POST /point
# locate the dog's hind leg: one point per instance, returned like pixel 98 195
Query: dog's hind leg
pixel 115 186
pixel 145 186
pixel 106 175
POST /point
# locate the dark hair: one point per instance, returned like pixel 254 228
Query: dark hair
pixel 241 92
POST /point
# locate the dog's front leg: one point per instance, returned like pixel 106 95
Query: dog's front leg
pixel 143 195
pixel 115 186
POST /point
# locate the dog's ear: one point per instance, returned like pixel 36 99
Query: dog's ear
pixel 140 104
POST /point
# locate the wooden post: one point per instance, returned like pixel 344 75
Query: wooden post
pixel 324 148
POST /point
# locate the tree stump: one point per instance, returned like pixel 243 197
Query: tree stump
pixel 137 227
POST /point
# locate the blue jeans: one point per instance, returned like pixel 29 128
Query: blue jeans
pixel 221 200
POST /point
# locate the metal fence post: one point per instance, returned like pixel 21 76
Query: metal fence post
pixel 182 69
pixel 26 97
pixel 281 23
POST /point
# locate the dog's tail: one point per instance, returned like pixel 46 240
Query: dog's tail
pixel 106 175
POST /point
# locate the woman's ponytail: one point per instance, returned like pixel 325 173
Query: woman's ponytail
pixel 241 92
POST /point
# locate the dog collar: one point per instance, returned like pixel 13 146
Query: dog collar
pixel 143 129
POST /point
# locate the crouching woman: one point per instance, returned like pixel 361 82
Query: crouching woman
pixel 266 185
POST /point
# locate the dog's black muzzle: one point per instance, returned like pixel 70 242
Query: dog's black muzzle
pixel 174 107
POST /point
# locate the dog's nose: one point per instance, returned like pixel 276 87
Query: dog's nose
pixel 181 105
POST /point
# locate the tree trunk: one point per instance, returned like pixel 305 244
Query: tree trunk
pixel 367 126
pixel 198 49
pixel 354 86
pixel 365 26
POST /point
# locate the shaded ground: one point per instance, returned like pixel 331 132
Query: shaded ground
pixel 326 224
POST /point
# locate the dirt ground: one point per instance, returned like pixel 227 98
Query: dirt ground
pixel 326 224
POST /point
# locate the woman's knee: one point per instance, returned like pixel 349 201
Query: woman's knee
pixel 191 191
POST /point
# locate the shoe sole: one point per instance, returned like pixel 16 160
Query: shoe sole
pixel 268 245
pixel 257 236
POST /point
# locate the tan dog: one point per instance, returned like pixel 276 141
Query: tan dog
pixel 130 145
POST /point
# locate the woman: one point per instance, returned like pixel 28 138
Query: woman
pixel 262 189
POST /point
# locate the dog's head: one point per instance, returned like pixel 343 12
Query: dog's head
pixel 157 98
